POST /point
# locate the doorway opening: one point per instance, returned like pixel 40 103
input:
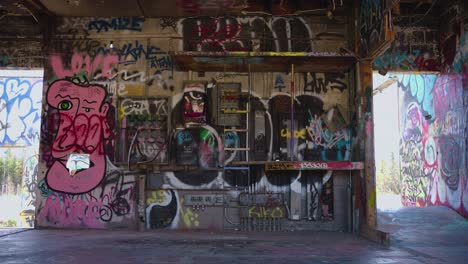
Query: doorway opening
pixel 405 128
pixel 387 142
pixel 20 126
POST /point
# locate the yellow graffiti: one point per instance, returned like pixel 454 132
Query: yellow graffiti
pixel 157 197
pixel 297 133
pixel 121 113
pixel 372 199
pixel 188 216
pixel 266 212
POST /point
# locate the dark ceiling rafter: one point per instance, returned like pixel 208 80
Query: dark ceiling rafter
pixel 140 7
pixel 39 6
pixel 36 9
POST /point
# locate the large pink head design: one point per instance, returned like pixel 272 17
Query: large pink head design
pixel 82 129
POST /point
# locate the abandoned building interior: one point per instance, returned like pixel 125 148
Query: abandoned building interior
pixel 232 114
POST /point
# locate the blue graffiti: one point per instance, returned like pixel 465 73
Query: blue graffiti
pixel 231 139
pixel 397 59
pixel 183 137
pixel 331 145
pixel 341 149
pixel 279 83
pixel 420 87
pixel 20 111
pixel 132 52
pixel 5 62
pixel 121 23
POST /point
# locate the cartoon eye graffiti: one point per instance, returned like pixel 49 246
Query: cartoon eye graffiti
pixel 87 109
pixel 65 105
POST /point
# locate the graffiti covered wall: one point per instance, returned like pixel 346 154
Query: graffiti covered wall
pixel 117 109
pixel 20 111
pixel 433 115
pixel 433 139
pixel 20 125
pixel 433 142
pixel 415 49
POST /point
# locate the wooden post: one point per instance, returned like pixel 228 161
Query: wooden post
pixel 369 159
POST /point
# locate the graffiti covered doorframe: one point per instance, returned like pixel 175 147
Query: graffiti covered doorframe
pixel 20 125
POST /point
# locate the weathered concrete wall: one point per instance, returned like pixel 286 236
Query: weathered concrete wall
pixel 97 98
pixel 21 43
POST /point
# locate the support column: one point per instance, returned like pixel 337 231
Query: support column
pixel 369 158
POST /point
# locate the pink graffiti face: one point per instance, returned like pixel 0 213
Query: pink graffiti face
pixel 82 129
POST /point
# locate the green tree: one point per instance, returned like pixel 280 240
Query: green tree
pixel 11 170
pixel 381 174
pixel 394 183
pixel 388 176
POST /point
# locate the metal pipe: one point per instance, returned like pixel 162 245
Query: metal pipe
pixel 247 119
pixel 291 141
pixel 349 204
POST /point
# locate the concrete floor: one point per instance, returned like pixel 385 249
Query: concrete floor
pixel 436 233
pixel 419 235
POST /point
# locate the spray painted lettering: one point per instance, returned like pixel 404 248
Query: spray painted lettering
pixel 130 53
pixel 20 110
pixel 250 33
pixel 406 60
pixel 322 82
pixel 121 23
pixel 79 63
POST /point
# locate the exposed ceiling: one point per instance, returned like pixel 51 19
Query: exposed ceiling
pixel 183 8
pixel 173 8
pixel 176 8
pixel 12 7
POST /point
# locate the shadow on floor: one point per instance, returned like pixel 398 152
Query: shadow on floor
pixel 432 231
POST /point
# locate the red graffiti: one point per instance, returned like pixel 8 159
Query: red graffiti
pixel 78 63
pixel 427 64
pixel 217 34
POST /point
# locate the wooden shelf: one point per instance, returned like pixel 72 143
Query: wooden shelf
pixel 314 165
pixel 304 165
pixel 239 61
